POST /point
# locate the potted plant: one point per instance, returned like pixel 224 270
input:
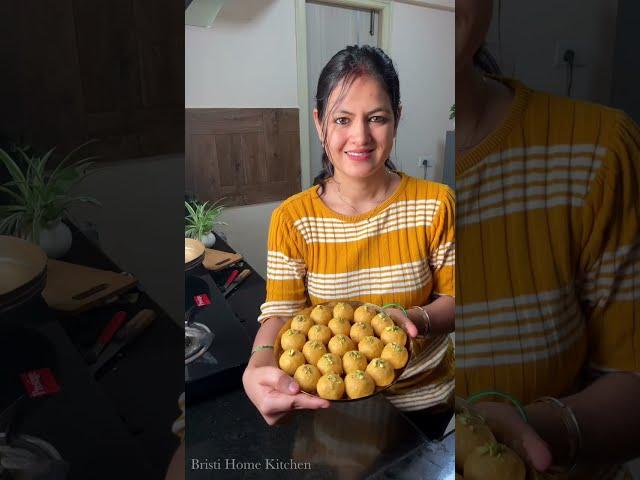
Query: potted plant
pixel 39 199
pixel 201 219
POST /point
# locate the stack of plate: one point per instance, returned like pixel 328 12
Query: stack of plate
pixel 23 272
pixel 193 254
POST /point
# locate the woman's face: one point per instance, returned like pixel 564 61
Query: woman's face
pixel 473 18
pixel 360 128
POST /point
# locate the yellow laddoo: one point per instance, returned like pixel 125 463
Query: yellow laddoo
pixel 307 377
pixel 354 360
pixel 396 354
pixel 292 339
pixel 321 314
pixel 495 461
pixel 471 432
pixel 302 323
pixel 321 333
pixel 343 310
pixel 359 331
pixel 381 371
pixel 393 334
pixel 341 344
pixel 313 350
pixel 371 347
pixel 364 313
pixel 380 322
pixel 359 384
pixel 290 360
pixel 330 387
pixel 340 326
pixel 330 363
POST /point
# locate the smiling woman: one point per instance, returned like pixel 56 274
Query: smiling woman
pixel 364 232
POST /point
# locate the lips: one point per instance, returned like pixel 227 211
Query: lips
pixel 359 154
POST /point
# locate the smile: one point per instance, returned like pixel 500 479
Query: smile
pixel 360 154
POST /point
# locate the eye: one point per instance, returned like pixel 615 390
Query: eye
pixel 342 120
pixel 378 119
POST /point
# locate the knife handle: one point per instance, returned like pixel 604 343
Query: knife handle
pixel 137 324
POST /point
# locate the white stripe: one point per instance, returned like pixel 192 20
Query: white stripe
pixel 548 324
pixel 528 191
pixel 398 216
pixel 281 267
pixel 416 279
pixel 519 358
pixel 357 291
pixel 519 207
pixel 410 268
pixel 274 255
pixel 470 309
pixel 445 255
pixel 488 187
pixel 545 150
pixel 423 398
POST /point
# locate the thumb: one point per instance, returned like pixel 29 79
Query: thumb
pixel 407 325
pixel 279 381
pixel 536 449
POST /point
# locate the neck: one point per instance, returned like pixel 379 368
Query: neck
pixel 361 191
pixel 471 97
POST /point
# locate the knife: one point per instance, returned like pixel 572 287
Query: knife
pixel 125 336
pixel 106 335
pixel 239 279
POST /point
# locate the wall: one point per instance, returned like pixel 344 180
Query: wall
pixel 530 31
pixel 422 48
pixel 246 59
pixel 139 223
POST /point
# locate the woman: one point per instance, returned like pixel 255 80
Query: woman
pixel 363 232
pixel 548 265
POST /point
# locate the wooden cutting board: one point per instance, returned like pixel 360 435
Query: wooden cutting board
pixel 217 260
pixel 75 288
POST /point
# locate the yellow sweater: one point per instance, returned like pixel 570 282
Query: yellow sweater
pixel 548 272
pixel 402 252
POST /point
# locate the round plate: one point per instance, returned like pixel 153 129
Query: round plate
pixel 277 349
pixel 21 262
pixel 23 295
pixel 193 249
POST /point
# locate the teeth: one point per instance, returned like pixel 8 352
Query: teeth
pixel 358 154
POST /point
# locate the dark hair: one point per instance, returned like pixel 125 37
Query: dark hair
pixel 346 66
pixel 486 62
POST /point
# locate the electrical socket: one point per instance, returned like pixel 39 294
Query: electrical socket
pixel 561 47
pixel 425 160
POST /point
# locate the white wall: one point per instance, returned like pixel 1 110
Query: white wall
pixel 247 59
pixel 422 48
pixel 140 221
pixel 530 31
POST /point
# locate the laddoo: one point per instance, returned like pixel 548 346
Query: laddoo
pixel 313 350
pixel 307 377
pixel 360 330
pixel 341 344
pixel 330 387
pixel 292 339
pixel 396 354
pixel 290 360
pixel 359 384
pixel 354 360
pixel 381 371
pixel 371 347
pixel 321 333
pixel 330 363
pixel 321 314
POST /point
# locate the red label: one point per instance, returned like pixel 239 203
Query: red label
pixel 39 383
pixel 202 300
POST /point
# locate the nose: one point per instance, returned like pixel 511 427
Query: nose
pixel 361 133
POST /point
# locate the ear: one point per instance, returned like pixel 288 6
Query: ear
pixel 316 121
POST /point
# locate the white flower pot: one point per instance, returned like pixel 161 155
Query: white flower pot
pixel 55 240
pixel 208 240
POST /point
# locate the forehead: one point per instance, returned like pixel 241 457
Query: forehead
pixel 364 91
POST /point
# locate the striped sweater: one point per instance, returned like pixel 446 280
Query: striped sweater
pixel 402 252
pixel 548 272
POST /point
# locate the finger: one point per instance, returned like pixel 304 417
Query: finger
pixel 278 380
pixel 408 326
pixel 536 449
pixel 278 403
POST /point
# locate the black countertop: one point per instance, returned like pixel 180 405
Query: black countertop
pixel 117 425
pixel 227 438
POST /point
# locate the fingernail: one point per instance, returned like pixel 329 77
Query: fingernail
pixel 293 387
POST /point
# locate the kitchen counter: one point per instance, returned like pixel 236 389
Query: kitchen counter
pixel 118 424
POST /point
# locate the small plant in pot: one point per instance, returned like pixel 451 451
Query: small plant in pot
pixel 201 219
pixel 39 199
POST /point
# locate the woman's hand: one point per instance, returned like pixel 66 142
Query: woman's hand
pixel 403 321
pixel 509 428
pixel 275 394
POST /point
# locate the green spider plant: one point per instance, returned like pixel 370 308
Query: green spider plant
pixel 202 218
pixel 39 198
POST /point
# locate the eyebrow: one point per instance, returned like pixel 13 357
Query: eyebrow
pixel 375 110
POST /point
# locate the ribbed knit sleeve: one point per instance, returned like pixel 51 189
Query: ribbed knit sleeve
pixel 286 269
pixel 443 245
pixel 610 260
